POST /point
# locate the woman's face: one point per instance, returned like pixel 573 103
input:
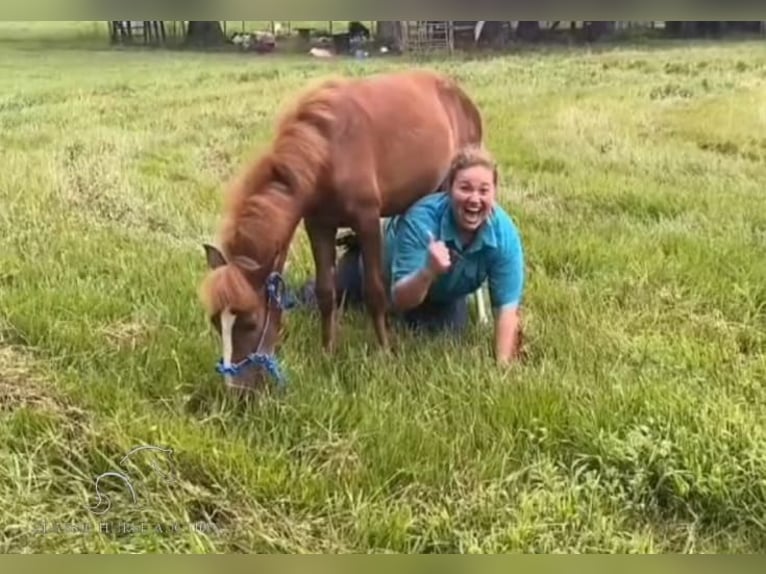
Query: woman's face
pixel 473 197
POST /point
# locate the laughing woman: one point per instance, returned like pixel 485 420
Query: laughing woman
pixel 444 248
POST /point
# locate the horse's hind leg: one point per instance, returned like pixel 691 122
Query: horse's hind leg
pixel 322 238
pixel 371 241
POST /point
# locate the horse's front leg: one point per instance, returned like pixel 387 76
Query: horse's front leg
pixel 371 240
pixel 322 238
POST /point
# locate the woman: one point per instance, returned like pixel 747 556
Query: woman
pixel 443 249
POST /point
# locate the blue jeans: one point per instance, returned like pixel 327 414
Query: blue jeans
pixel 429 316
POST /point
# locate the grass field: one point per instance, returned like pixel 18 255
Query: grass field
pixel 636 177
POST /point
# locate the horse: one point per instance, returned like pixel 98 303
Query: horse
pixel 348 152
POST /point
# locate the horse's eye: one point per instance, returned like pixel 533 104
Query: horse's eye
pixel 245 323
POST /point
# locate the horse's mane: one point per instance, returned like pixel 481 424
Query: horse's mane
pixel 263 205
pixel 227 286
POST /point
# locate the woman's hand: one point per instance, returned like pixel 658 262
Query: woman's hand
pixel 439 260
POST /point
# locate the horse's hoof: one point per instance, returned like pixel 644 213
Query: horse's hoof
pixel 390 349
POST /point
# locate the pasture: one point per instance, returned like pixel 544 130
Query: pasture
pixel 636 177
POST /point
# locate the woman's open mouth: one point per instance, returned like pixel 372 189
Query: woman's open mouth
pixel 472 215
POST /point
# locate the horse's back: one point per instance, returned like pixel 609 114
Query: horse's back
pixel 403 129
pixel 423 100
pixel 428 93
pixel 383 140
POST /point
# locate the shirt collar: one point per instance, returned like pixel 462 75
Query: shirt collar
pixel 449 232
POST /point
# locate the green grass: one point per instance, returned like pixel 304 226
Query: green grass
pixel 636 178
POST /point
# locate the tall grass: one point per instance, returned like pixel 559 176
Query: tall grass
pixel 636 179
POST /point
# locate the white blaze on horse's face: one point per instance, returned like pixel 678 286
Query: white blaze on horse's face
pixel 253 328
pixel 227 338
pixel 242 334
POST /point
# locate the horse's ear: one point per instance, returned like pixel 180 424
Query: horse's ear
pixel 286 262
pixel 247 264
pixel 215 258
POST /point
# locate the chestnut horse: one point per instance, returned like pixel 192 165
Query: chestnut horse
pixel 350 152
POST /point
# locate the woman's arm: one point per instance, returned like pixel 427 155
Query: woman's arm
pixel 411 290
pixel 506 285
pixel 506 335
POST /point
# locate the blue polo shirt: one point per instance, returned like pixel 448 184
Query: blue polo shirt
pixel 495 254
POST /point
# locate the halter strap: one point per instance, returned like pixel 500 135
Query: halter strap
pixel 275 291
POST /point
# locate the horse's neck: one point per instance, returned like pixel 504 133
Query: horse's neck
pixel 269 225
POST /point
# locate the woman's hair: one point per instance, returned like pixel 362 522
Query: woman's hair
pixel 468 157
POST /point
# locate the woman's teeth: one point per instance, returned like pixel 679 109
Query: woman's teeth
pixel 472 215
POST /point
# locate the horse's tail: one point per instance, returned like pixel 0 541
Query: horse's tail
pixel 475 126
pixel 470 127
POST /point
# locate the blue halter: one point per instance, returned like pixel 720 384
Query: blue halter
pixel 275 289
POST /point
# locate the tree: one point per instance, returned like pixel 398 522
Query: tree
pixel 528 30
pixel 205 33
pixel 595 30
pixel 494 33
pixel 391 33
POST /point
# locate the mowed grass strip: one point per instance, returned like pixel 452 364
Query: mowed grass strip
pixel 635 176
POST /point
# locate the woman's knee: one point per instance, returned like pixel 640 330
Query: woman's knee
pixel 349 280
